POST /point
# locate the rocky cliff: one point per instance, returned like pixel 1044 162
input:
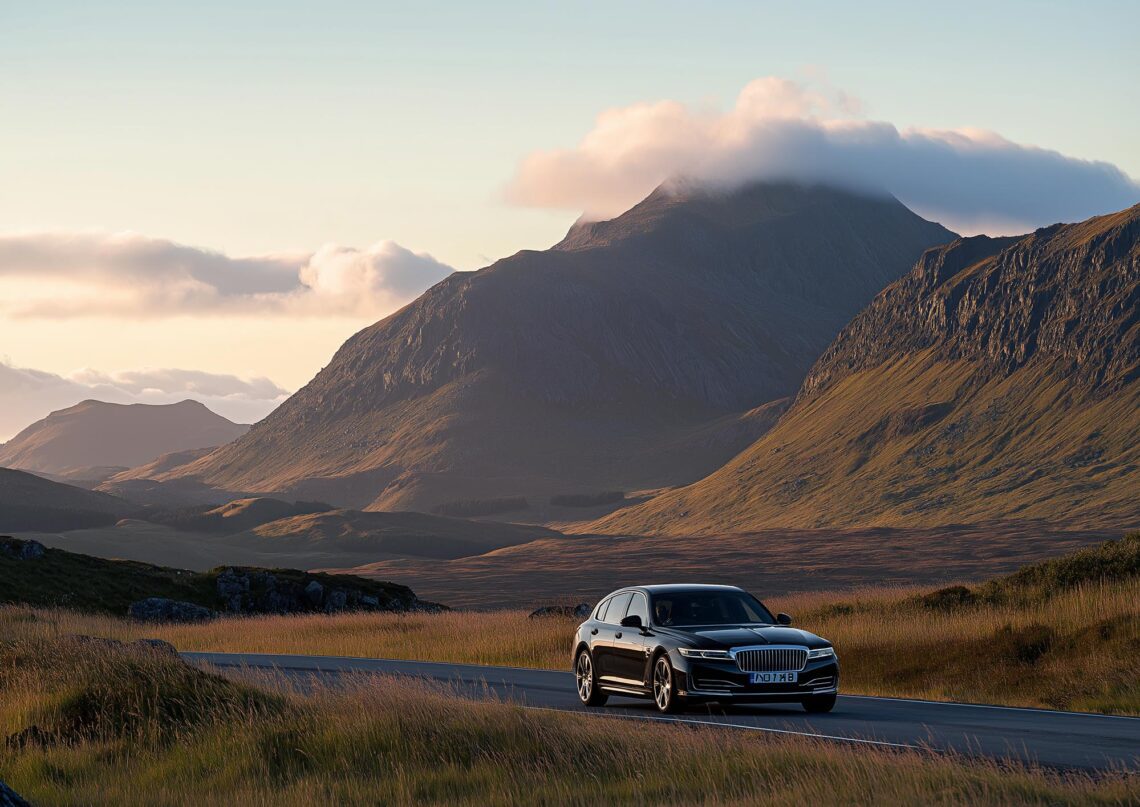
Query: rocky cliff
pixel 1000 378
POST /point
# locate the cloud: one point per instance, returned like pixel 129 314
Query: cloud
pixel 27 395
pixel 969 179
pixel 132 275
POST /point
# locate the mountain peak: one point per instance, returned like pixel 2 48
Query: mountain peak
pixel 627 357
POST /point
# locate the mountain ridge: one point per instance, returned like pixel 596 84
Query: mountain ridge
pixel 1000 378
pixel 591 366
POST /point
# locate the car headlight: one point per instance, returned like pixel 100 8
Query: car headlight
pixel 822 652
pixel 689 652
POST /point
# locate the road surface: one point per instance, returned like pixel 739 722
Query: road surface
pixel 1053 739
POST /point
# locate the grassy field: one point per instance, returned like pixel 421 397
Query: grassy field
pixel 1062 634
pixel 89 724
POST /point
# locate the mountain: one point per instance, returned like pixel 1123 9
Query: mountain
pixel 32 503
pixel 93 440
pixel 999 379
pixel 632 355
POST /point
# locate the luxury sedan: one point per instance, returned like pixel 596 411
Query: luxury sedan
pixel 682 644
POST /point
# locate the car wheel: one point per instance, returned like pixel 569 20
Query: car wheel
pixel 587 680
pixel 818 704
pixel 665 686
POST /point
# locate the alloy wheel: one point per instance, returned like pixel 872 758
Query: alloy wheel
pixel 662 684
pixel 584 671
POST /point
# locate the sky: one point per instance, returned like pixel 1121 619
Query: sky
pixel 204 200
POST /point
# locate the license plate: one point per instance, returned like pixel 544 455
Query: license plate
pixel 773 678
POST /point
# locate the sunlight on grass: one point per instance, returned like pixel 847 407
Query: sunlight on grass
pixel 128 726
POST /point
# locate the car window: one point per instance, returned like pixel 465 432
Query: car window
pixel 685 608
pixel 638 606
pixel 601 612
pixel 616 611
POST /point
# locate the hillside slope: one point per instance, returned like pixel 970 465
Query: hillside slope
pixel 94 440
pixel 29 502
pixel 596 365
pixel 998 379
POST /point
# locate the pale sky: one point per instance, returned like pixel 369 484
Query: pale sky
pixel 364 144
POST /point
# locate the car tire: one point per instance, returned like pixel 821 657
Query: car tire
pixel 819 704
pixel 586 678
pixel 664 686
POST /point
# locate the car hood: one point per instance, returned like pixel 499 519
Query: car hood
pixel 722 637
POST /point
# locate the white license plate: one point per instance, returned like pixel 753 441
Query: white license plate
pixel 773 678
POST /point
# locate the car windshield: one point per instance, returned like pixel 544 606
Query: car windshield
pixel 683 608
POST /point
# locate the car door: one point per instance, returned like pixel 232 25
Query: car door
pixel 608 629
pixel 629 644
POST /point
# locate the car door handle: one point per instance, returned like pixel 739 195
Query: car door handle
pixel 617 635
pixel 594 632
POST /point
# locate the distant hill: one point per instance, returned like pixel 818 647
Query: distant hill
pixel 94 440
pixel 632 355
pixel 275 525
pixel 32 503
pixel 999 379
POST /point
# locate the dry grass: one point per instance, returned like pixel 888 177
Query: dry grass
pixel 401 743
pixel 1078 650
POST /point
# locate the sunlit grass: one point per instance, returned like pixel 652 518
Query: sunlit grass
pixel 389 741
pixel 1077 650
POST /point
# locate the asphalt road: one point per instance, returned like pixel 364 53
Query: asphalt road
pixel 1052 739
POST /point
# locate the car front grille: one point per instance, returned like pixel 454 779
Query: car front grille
pixel 772 659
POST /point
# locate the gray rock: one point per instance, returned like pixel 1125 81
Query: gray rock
pixel 21 550
pixel 160 609
pixel 232 588
pixel 336 600
pixel 10 798
pixel 580 611
pixel 314 593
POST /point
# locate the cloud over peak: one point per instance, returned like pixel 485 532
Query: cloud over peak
pixel 971 180
pixel 92 273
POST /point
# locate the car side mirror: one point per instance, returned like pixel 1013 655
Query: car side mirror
pixel 784 619
pixel 632 621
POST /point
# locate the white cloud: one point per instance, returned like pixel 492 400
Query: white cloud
pixel 971 180
pixel 27 395
pixel 131 275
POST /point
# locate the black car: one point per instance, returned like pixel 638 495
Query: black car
pixel 681 644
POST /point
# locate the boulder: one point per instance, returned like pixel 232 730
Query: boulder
pixel 160 609
pixel 232 588
pixel 579 611
pixel 337 600
pixel 155 646
pixel 314 593
pixel 17 549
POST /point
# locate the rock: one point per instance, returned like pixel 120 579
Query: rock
pixel 160 609
pixel 580 611
pixel 155 646
pixel 17 549
pixel 336 600
pixel 368 601
pixel 232 588
pixel 314 593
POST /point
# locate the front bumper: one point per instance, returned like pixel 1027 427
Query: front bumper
pixel 706 679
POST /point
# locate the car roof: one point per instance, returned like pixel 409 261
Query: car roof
pixel 672 588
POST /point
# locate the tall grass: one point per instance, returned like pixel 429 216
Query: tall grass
pixel 388 741
pixel 1079 649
